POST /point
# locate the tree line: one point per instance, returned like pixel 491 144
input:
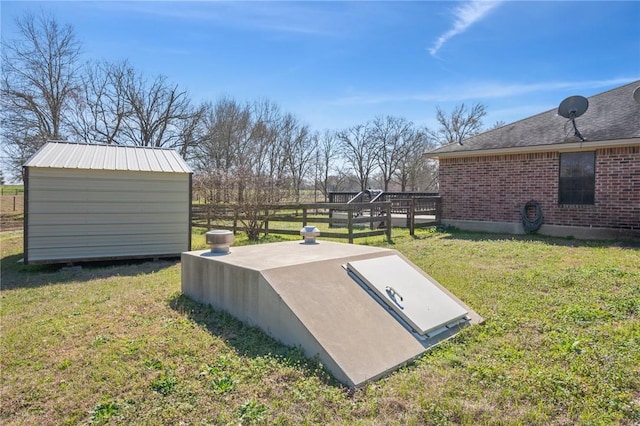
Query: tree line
pixel 241 151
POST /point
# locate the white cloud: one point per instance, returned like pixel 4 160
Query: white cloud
pixel 481 91
pixel 282 17
pixel 465 16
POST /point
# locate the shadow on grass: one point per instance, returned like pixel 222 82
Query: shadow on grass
pixel 17 275
pixel 249 341
pixel 457 234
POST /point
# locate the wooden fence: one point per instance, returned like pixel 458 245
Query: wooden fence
pixel 345 196
pixel 417 207
pixel 11 191
pixel 227 216
pixel 421 209
pixel 359 219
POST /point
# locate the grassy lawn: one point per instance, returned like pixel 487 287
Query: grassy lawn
pixel 118 344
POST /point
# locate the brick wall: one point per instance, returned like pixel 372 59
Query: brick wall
pixel 494 188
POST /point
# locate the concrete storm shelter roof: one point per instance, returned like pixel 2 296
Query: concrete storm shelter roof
pixel 364 311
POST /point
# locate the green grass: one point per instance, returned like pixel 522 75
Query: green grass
pixel 119 344
pixel 11 189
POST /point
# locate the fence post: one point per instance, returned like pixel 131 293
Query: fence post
pixel 304 216
pixel 407 210
pixel 235 220
pixel 412 217
pixel 371 217
pixel 266 222
pixel 388 230
pixel 350 225
pixel 330 215
pixel 209 207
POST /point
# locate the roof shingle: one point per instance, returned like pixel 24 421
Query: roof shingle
pixel 612 115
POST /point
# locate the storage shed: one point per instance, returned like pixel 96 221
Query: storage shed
pixel 97 202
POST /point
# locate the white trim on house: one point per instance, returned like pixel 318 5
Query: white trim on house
pixel 564 147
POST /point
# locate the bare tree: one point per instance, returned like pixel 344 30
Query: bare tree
pixel 260 192
pixel 410 155
pixel 390 137
pixel 326 156
pixel 239 157
pixel 221 125
pixel 357 149
pixel 101 107
pixel 300 152
pixel 156 110
pixel 211 186
pixel 189 131
pixel 236 135
pixel 39 77
pixel 220 186
pixel 268 146
pixel 497 125
pixel 460 124
pixel 415 172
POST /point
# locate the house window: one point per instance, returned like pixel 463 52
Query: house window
pixel 577 177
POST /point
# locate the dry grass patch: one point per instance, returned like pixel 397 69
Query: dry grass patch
pixel 11 212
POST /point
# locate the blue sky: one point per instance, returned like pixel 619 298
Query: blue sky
pixel 336 64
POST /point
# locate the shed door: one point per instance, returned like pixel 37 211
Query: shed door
pixel 415 298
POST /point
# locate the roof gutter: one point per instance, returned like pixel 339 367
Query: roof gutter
pixel 561 147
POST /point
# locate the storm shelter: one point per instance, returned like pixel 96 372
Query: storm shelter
pixel 364 311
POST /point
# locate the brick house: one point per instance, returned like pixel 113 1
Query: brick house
pixel 584 189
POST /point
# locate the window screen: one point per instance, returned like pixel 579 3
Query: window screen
pixel 577 177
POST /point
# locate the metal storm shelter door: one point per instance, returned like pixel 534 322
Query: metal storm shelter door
pixel 413 297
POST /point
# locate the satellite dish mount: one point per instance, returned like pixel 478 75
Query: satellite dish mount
pixel 636 94
pixel 572 108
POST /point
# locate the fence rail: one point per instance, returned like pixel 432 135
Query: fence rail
pixel 228 216
pixel 378 217
pixel 345 196
pixel 11 191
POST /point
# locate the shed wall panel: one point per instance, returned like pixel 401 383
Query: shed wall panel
pixel 84 208
pixel 58 219
pixel 76 214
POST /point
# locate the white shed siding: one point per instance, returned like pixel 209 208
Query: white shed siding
pixel 80 214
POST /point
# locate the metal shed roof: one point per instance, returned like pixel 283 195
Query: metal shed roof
pixel 69 155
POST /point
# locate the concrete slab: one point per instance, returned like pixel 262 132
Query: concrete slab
pixel 301 295
pixel 260 257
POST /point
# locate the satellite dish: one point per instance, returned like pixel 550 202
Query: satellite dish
pixel 636 94
pixel 572 107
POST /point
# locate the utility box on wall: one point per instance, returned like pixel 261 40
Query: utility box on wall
pixel 97 202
